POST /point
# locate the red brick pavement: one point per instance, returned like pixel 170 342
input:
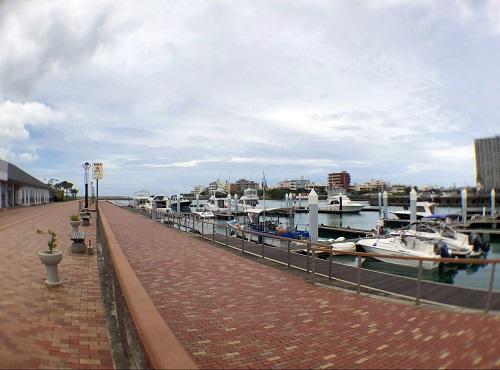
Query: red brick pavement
pixel 43 327
pixel 229 311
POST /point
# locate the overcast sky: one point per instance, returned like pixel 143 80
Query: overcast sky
pixel 172 94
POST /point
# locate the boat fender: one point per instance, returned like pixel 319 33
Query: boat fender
pixel 476 242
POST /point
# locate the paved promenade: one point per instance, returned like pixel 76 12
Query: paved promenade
pixel 43 327
pixel 229 311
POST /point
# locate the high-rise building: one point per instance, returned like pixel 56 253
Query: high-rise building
pixel 487 151
pixel 338 180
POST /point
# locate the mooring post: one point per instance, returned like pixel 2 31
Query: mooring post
pixel 286 200
pixel 228 201
pixel 492 202
pixel 385 197
pixel 379 203
pixel 313 250
pixel 262 245
pixel 226 235
pixel 464 206
pixel 413 205
pixel 419 282
pixel 242 242
pixel 312 199
pixel 330 258
pixel 236 203
pixel 308 257
pixel 490 287
pixel 213 232
pixel 202 232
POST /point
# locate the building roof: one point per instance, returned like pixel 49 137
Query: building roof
pixel 15 174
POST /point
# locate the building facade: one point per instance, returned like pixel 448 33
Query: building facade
pixel 338 180
pixel 18 188
pixel 487 152
pixel 242 184
pixel 298 184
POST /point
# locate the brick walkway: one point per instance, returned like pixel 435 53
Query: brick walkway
pixel 229 311
pixel 40 327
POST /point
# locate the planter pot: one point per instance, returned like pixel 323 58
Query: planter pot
pixel 50 260
pixel 85 222
pixel 78 247
pixel 74 225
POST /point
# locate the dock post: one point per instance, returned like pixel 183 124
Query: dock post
pixel 385 197
pixel 286 200
pixel 307 259
pixel 236 203
pixel 492 202
pixel 202 232
pixel 419 282
pixel 197 202
pixel 359 274
pixel 228 201
pixel 413 205
pixel 242 242
pixel 262 245
pixel 490 288
pixel 464 206
pixel 288 255
pixel 379 202
pixel 213 232
pixel 312 199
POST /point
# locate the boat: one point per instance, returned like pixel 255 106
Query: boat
pixel 249 200
pixel 162 205
pixel 139 199
pixel 458 244
pixel 424 209
pixel 184 203
pixel 203 214
pixel 340 203
pixel 268 229
pixel 217 202
pixel 341 245
pixel 403 246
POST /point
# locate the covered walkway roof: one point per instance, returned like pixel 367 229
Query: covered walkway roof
pixel 12 173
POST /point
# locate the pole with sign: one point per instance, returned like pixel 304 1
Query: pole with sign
pixel 97 175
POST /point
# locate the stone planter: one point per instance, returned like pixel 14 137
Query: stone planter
pixel 74 226
pixel 78 247
pixel 50 260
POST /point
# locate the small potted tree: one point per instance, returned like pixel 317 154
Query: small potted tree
pixel 50 258
pixel 74 221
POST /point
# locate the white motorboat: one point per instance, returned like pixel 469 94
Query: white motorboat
pixel 203 214
pixel 340 203
pixel 139 199
pixel 340 245
pixel 176 200
pixel 217 202
pixel 424 209
pixel 249 200
pixel 162 205
pixel 458 244
pixel 401 246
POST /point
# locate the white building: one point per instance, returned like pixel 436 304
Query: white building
pixel 18 188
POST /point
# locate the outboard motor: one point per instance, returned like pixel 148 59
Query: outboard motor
pixel 477 243
pixel 441 249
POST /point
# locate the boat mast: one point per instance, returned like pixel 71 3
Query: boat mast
pixel 264 198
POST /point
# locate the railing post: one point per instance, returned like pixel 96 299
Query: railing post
pixel 262 245
pixel 307 259
pixel 330 258
pixel 242 242
pixel 288 255
pixel 490 288
pixel 202 232
pixel 419 282
pixel 359 274
pixel 226 236
pixel 213 232
pixel 313 250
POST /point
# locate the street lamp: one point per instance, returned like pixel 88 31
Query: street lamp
pixel 86 167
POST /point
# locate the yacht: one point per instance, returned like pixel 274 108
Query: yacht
pixel 184 203
pixel 424 209
pixel 458 244
pixel 217 202
pixel 403 246
pixel 139 199
pixel 162 204
pixel 249 200
pixel 340 203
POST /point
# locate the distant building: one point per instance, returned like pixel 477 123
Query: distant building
pixel 285 184
pixel 338 180
pixel 487 152
pixel 299 184
pixel 18 188
pixel 372 186
pixel 315 186
pixel 242 184
pixel 198 189
pixel 217 184
pixel 399 189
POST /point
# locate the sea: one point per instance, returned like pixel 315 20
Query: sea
pixel 471 276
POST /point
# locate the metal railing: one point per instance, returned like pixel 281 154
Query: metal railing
pixel 190 222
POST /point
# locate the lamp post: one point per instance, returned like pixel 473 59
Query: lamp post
pixel 86 167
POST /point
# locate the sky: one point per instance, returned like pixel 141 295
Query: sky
pixel 172 94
